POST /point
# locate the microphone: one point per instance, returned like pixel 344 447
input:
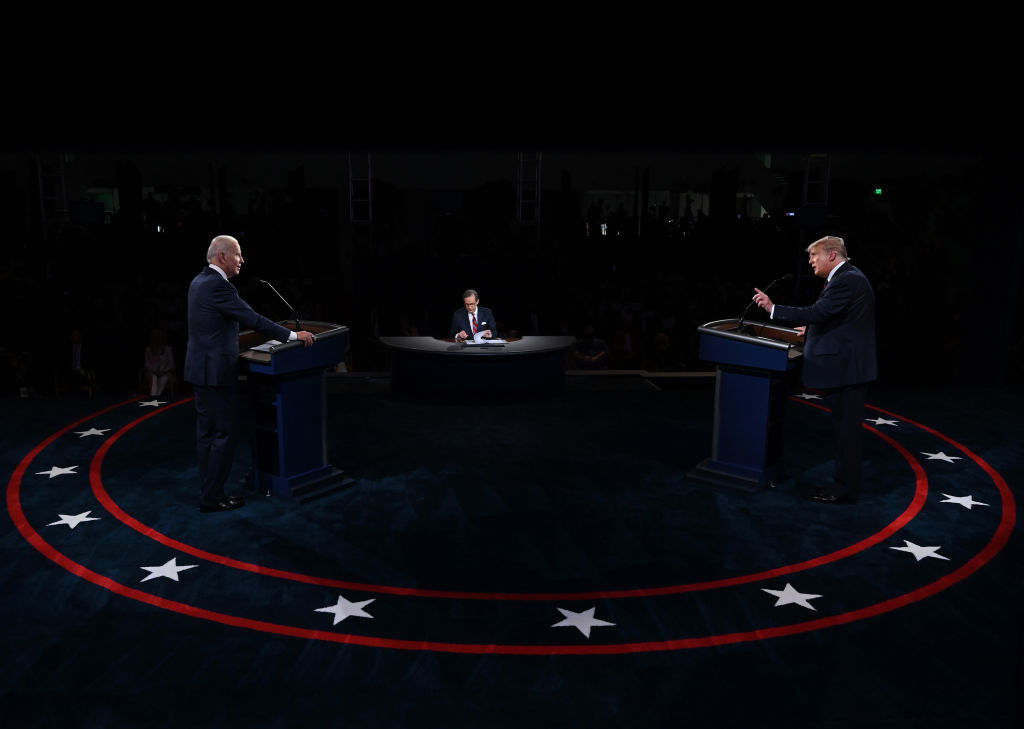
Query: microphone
pixel 298 326
pixel 743 316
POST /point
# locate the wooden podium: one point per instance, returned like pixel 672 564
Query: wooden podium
pixel 287 391
pixel 752 369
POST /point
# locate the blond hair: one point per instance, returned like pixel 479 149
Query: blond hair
pixel 831 243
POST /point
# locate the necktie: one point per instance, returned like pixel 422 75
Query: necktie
pixel 474 323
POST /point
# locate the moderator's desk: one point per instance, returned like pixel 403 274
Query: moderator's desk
pixel 426 364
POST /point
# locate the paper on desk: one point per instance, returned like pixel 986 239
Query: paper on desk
pixel 478 338
pixel 265 347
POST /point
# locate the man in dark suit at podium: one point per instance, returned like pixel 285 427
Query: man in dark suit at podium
pixel 472 318
pixel 215 311
pixel 840 355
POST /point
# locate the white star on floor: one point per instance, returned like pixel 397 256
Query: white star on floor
pixel 169 569
pixel 940 456
pixel 58 471
pixel 152 403
pixel 91 431
pixel 920 552
pixel 965 501
pixel 882 421
pixel 74 520
pixel 583 621
pixel 347 609
pixel 809 396
pixel 790 596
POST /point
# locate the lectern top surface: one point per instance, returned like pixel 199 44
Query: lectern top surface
pixel 770 335
pixel 255 347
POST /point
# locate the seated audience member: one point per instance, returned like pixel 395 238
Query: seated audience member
pixel 591 351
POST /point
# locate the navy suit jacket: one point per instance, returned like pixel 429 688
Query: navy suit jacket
pixel 840 348
pixel 215 311
pixel 484 320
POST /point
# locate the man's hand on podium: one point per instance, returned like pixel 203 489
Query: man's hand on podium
pixel 306 337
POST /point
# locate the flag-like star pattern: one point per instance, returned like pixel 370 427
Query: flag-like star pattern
pixel 882 421
pixel 169 569
pixel 920 552
pixel 344 608
pixel 965 501
pixel 940 456
pixel 71 521
pixel 810 589
pixel 583 621
pixel 57 471
pixel 91 431
pixel 790 596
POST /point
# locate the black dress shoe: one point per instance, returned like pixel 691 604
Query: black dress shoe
pixel 225 504
pixel 235 499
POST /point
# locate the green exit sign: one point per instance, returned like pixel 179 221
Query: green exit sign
pixel 878 191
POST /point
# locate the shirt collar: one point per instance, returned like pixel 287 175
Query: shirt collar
pixel 833 272
pixel 219 270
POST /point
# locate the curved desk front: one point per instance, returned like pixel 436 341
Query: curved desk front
pixel 526 365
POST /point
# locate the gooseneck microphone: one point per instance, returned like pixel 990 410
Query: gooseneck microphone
pixel 743 316
pixel 298 326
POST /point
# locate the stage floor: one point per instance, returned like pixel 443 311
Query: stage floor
pixel 522 559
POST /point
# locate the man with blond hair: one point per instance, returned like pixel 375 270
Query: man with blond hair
pixel 840 355
pixel 215 311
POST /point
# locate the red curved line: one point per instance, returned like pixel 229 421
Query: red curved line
pixel 917 503
pixel 998 541
pixel 1008 503
pixel 479 648
pixel 13 485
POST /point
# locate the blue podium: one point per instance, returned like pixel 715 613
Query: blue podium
pixel 287 385
pixel 753 366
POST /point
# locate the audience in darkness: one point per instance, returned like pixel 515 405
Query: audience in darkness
pixel 643 289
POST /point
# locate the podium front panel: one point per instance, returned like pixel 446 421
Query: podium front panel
pixel 752 363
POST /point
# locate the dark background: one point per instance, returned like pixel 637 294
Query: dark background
pixel 206 107
pixel 201 108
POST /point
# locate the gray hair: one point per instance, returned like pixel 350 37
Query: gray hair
pixel 831 243
pixel 218 244
pixel 470 292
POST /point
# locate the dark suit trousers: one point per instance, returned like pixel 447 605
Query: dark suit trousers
pixel 215 438
pixel 847 428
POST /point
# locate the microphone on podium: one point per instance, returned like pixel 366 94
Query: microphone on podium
pixel 298 326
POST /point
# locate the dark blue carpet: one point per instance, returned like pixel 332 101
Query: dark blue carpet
pixel 472 526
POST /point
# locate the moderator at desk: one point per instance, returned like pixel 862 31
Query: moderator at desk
pixel 426 364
